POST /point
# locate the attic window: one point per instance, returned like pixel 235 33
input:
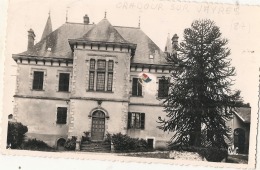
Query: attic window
pixel 48 49
pixel 151 56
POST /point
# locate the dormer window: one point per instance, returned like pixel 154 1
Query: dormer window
pixel 48 49
pixel 151 56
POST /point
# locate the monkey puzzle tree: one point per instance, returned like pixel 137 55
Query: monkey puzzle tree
pixel 200 99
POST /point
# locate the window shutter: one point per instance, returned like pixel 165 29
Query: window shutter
pixel 166 88
pixel 142 120
pixel 38 80
pixel 129 120
pixel 134 86
pixel 140 93
pixel 160 90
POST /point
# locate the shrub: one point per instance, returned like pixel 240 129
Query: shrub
pixel 213 154
pixel 16 134
pixel 86 137
pixel 124 143
pixel 108 138
pixel 70 144
pixel 38 145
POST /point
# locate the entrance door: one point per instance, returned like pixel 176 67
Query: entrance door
pixel 239 139
pixel 98 125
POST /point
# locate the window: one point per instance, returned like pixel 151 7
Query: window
pixel 61 115
pixel 91 80
pixel 136 87
pixel 110 75
pixel 38 80
pixel 136 120
pixel 101 75
pixel 64 81
pixel 163 88
pixel 91 74
pixel 100 81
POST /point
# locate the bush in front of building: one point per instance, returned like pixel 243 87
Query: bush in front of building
pixel 213 154
pixel 36 145
pixel 124 143
pixel 70 143
pixel 16 134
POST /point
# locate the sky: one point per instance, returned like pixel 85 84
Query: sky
pixel 239 23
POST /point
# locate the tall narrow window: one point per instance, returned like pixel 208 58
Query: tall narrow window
pixel 91 74
pixel 100 81
pixel 61 115
pixel 38 80
pixel 136 120
pixel 64 81
pixel 101 70
pixel 163 88
pixel 110 75
pixel 136 87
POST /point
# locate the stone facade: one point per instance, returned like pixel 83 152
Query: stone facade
pixel 131 53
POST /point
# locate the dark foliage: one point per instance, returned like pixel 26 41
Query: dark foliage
pixel 86 137
pixel 200 95
pixel 213 154
pixel 70 144
pixel 124 143
pixel 16 134
pixel 37 145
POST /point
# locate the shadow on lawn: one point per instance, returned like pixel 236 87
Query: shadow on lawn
pixel 241 159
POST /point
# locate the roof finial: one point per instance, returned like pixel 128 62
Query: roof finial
pixel 139 23
pixel 105 14
pixel 49 12
pixel 67 14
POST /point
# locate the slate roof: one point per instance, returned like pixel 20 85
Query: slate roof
pixel 57 41
pixel 47 29
pixel 104 32
pixel 244 114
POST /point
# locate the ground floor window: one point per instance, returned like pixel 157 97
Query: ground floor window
pixel 136 120
pixel 61 115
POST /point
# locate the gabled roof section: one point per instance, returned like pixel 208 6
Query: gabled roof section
pixel 57 41
pixel 104 32
pixel 244 114
pixel 145 46
pixel 48 28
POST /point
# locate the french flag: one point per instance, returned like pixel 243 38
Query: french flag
pixel 145 78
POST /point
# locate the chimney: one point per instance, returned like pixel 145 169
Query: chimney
pixel 31 37
pixel 175 41
pixel 86 19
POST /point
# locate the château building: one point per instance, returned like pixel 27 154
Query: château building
pixel 85 77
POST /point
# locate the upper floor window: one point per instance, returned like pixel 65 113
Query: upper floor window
pixel 110 75
pixel 38 80
pixel 64 81
pixel 136 87
pixel 136 120
pixel 163 88
pixel 61 115
pixel 101 77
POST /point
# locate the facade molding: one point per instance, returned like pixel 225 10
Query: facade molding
pixel 40 97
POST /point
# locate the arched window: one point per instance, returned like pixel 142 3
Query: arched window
pixel 60 144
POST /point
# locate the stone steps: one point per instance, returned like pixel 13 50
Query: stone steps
pixel 95 147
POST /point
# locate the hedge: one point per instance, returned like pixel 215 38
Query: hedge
pixel 16 134
pixel 124 143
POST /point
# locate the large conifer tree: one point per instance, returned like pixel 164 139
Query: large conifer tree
pixel 200 100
